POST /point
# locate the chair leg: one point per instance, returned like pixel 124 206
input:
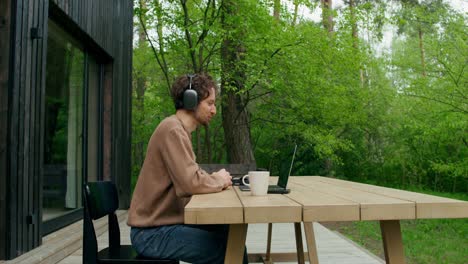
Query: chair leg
pixel 311 245
pixel 299 246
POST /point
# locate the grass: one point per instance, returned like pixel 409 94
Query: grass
pixel 438 241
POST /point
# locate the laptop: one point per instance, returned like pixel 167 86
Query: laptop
pixel 280 187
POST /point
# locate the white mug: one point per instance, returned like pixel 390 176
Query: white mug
pixel 258 182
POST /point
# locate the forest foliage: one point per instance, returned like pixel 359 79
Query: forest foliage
pixel 360 105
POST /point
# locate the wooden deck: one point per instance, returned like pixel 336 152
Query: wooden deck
pixel 64 246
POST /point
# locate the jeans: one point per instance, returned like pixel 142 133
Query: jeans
pixel 196 244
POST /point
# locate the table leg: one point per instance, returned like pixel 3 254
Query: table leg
pixel 299 246
pixel 392 241
pixel 236 244
pixel 311 246
pixel 267 259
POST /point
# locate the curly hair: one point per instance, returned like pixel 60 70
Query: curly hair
pixel 201 83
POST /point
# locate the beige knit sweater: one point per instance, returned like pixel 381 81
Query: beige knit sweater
pixel 169 177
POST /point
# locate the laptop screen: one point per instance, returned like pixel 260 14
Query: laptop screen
pixel 285 171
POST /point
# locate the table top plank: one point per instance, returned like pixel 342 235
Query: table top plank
pixel 427 206
pixel 271 208
pixel 373 206
pixel 214 208
pixel 320 206
pixel 316 198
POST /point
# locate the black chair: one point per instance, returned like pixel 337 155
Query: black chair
pixel 101 199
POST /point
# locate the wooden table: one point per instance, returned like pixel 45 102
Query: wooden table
pixel 313 199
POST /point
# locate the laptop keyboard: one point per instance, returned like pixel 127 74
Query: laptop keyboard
pixel 275 188
pixel 271 188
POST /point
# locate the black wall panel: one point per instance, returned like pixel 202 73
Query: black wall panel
pixel 21 220
pixel 5 22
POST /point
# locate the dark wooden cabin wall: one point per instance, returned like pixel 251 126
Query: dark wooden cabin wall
pixel 25 85
pixel 28 82
pixel 5 17
pixel 109 23
pixel 107 26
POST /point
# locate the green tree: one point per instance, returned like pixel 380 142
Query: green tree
pixel 397 118
pixel 235 114
pixel 431 114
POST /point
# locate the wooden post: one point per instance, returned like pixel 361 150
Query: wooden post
pixel 311 246
pixel 268 259
pixel 236 243
pixel 299 246
pixel 392 241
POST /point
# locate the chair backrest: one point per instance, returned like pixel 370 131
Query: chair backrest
pixel 236 170
pixel 100 199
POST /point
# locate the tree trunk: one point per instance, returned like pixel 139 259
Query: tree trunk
pixel 188 36
pixel 159 29
pixel 236 128
pixel 195 43
pixel 276 9
pixel 354 28
pixel 141 32
pixel 208 148
pixel 328 166
pixel 234 113
pixel 327 15
pixel 296 9
pixel 354 32
pixel 158 55
pixel 139 152
pixel 140 88
pixel 197 149
pixel 421 47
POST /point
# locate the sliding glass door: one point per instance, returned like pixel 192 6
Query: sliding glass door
pixel 72 125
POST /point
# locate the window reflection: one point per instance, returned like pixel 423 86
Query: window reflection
pixel 63 139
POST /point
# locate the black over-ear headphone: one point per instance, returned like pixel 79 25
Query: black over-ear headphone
pixel 190 98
